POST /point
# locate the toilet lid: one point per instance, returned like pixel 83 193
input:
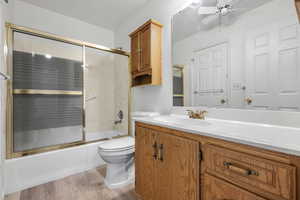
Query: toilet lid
pixel 118 144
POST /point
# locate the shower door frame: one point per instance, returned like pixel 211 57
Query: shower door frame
pixel 8 56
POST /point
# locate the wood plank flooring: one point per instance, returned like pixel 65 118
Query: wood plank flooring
pixel 88 185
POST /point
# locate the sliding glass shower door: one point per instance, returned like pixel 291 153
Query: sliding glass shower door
pixel 47 92
pixel 106 91
pixel 62 92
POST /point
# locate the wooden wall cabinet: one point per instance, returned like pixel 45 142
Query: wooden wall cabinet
pixel 167 167
pixel 146 51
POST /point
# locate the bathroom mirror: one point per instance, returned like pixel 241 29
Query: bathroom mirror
pixel 237 54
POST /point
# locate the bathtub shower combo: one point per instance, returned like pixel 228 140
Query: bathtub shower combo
pixel 62 93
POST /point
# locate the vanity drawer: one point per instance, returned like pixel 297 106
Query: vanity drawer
pixel 217 189
pixel 254 173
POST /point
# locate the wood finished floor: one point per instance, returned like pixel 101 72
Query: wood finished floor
pixel 88 185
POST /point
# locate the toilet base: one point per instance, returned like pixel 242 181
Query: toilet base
pixel 120 184
pixel 119 175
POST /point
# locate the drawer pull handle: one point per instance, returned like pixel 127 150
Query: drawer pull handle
pixel 154 146
pixel 237 169
pixel 160 152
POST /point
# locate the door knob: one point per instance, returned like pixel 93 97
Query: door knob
pixel 223 101
pixel 248 100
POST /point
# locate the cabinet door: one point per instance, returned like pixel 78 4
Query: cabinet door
pixel 135 53
pixel 146 48
pixel 217 189
pixel 144 163
pixel 177 168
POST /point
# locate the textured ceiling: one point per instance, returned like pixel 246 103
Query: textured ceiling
pixel 105 13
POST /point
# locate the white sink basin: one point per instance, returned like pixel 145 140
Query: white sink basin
pixel 181 120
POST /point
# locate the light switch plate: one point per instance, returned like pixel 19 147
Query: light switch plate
pixel 236 86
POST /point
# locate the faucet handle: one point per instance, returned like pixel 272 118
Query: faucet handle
pixel 190 111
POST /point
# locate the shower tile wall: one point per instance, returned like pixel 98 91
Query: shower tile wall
pixel 121 90
pixel 106 84
pixel 99 87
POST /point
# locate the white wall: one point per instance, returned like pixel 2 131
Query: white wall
pixel 153 98
pixel 28 15
pixel 3 17
pixel 29 171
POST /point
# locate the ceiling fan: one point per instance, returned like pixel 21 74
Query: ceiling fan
pixel 223 8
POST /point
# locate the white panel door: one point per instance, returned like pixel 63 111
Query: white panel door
pixel 259 61
pixel 210 76
pixel 288 71
pixel 272 67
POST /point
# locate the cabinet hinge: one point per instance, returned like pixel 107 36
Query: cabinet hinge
pixel 200 155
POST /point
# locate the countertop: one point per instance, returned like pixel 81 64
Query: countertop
pixel 271 137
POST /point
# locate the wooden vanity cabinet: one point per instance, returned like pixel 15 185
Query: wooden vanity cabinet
pixel 259 175
pixel 146 54
pixel 145 163
pixel 195 167
pixel 167 167
pixel 217 189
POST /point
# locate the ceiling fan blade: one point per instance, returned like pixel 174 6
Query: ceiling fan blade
pixel 227 2
pixel 207 10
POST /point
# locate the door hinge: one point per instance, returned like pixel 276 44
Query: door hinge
pixel 135 133
pixel 200 156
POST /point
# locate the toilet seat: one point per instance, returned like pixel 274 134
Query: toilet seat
pixel 117 145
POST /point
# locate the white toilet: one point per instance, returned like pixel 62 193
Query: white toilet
pixel 119 156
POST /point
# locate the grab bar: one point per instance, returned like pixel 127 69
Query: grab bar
pixel 4 76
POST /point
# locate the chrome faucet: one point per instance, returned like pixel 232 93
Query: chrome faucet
pixel 198 114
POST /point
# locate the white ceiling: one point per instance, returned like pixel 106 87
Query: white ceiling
pixel 105 13
pixel 188 22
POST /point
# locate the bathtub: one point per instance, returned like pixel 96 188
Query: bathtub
pixel 29 171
